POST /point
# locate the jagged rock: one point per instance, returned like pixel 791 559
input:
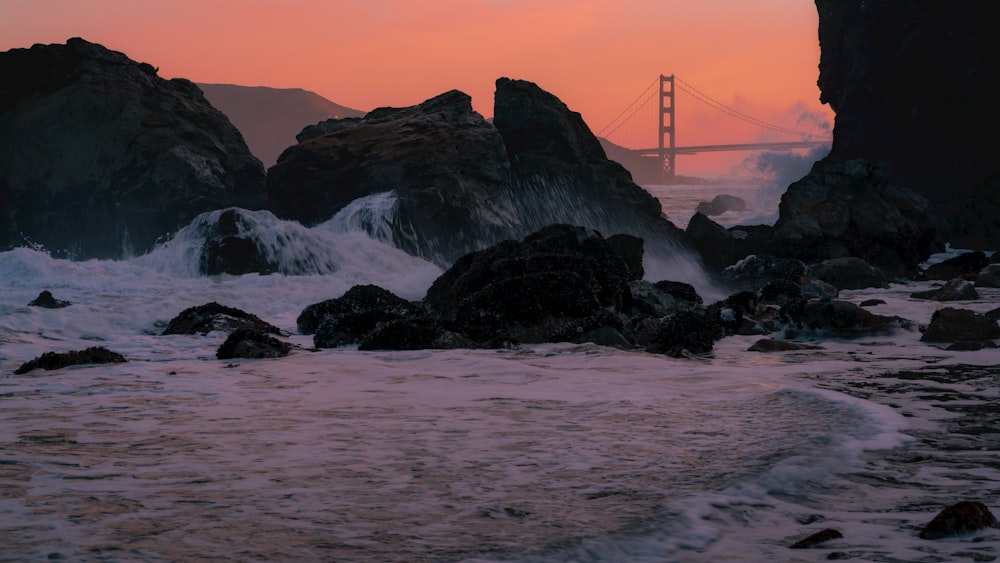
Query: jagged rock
pixel 530 290
pixel 851 209
pixel 756 271
pixel 686 332
pixel 118 157
pixel 965 265
pixel 461 183
pixel 774 345
pixel 250 343
pixel 59 360
pixel 712 241
pixel 631 249
pixel 818 538
pixel 849 273
pixel 873 71
pixel 837 319
pixel 446 165
pixel 959 519
pixel 362 306
pixel 415 333
pixel 721 204
pixel 212 316
pixel 960 325
pixel 47 300
pixel 989 276
pixel 954 290
pixel 663 297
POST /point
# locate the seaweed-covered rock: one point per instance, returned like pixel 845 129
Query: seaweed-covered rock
pixel 58 360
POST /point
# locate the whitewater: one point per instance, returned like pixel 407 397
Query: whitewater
pixel 547 453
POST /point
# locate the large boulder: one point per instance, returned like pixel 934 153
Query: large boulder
pixel 851 209
pixel 102 157
pixel 876 60
pixel 445 164
pixel 960 325
pixel 532 290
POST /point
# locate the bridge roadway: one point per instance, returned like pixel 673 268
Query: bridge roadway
pixel 736 147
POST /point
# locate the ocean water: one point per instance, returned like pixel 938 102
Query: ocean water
pixel 547 453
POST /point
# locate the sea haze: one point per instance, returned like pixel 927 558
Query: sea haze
pixel 554 452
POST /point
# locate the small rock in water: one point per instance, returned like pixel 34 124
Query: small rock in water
pixel 47 300
pixel 958 519
pixel 954 290
pixel 772 345
pixel 819 537
pixel 57 360
pixel 247 343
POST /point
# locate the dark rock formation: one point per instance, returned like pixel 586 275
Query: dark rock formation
pixel 848 273
pixel 774 345
pixel 818 538
pixel 270 118
pixel 250 343
pixel 965 265
pixel 662 298
pixel 876 60
pixel 686 333
pixel 712 241
pixel 210 317
pixel 118 157
pixel 361 305
pixel 989 276
pixel 959 519
pixel 851 209
pixel 953 290
pixel 837 319
pixel 47 300
pixel 960 325
pixel 59 360
pixel 530 290
pixel 721 204
pixel 756 271
pixel 461 183
pixel 230 246
pixel 446 165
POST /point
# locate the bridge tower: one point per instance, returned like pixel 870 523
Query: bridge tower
pixel 667 151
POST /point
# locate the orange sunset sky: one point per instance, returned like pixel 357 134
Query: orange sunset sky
pixel 758 57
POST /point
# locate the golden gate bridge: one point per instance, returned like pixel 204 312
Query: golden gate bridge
pixel 643 120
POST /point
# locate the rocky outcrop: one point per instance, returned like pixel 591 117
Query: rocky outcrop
pixel 721 204
pixel 837 319
pixel 534 289
pixel 877 59
pixel 461 183
pixel 446 165
pixel 851 209
pixel 960 325
pixel 102 157
pixel 848 273
pixel 953 290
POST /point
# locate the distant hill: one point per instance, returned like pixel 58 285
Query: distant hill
pixel 269 118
